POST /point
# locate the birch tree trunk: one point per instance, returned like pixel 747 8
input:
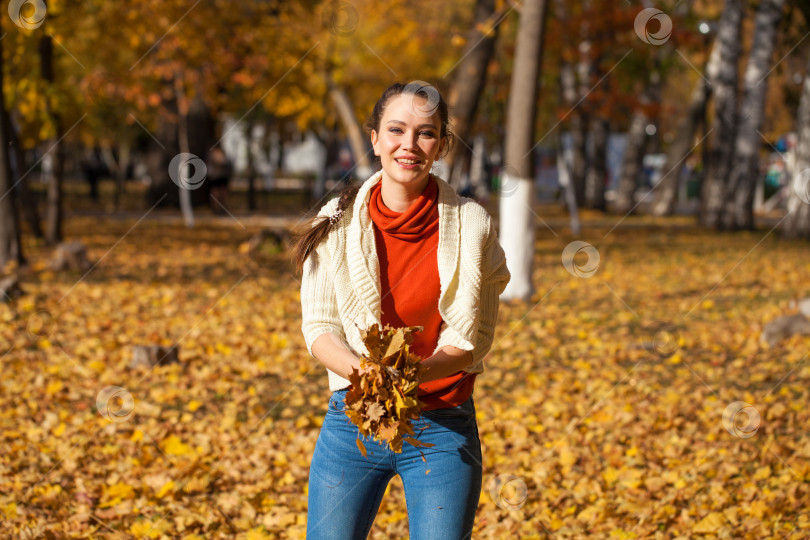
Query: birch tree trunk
pixel 679 150
pixel 797 223
pixel 516 198
pixel 722 75
pixel 10 246
pixel 631 164
pixel 182 139
pixel 634 148
pixel 576 127
pixel 597 171
pixel 564 157
pixel 738 212
pixel 467 86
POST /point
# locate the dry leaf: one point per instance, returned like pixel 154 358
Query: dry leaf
pixel 382 399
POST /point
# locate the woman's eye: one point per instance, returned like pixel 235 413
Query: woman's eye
pixel 427 134
pixel 395 130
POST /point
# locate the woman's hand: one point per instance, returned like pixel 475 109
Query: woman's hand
pixel 446 361
pixel 333 353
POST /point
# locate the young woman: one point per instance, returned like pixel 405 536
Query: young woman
pixel 403 250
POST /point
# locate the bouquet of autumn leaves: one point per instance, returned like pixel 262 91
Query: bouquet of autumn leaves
pixel 382 400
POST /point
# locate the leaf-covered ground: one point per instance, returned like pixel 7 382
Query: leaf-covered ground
pixel 600 414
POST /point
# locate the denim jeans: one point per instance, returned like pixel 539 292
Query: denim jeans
pixel 441 493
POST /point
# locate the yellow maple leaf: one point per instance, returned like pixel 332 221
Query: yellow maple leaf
pixel 709 524
pixel 257 533
pixel 174 446
pixel 145 529
pixel 116 493
pixel 167 487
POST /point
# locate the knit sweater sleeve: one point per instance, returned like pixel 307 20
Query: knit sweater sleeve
pixel 494 277
pixel 319 311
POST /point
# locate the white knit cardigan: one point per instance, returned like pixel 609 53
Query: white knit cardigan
pixel 340 289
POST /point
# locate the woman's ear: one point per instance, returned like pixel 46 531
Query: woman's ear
pixel 443 147
pixel 374 140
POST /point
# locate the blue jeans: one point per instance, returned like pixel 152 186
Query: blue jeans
pixel 441 493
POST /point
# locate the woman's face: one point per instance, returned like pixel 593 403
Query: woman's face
pixel 408 141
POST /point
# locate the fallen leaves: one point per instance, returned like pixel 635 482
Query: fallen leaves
pixel 382 398
pixel 611 439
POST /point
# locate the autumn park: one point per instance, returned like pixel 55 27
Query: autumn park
pixel 645 171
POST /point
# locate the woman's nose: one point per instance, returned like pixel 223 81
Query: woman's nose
pixel 412 141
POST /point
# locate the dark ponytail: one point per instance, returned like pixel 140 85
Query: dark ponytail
pixel 308 241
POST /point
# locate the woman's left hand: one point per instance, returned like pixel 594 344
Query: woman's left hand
pixel 446 361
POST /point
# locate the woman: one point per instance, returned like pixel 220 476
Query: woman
pixel 402 250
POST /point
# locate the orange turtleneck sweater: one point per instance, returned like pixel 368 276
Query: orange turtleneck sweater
pixel 409 284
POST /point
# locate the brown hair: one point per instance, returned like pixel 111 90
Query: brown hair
pixel 316 233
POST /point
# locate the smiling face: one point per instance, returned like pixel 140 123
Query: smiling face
pixel 407 142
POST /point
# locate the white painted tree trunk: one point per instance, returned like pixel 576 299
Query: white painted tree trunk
pixel 516 197
pixel 517 234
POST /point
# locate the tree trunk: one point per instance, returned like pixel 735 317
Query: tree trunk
pixel 10 246
pixel 357 140
pixel 19 178
pixel 200 125
pixel 516 200
pixel 124 159
pixel 182 139
pixel 722 75
pixel 797 223
pixel 597 171
pixel 631 163
pixel 634 148
pixel 679 150
pixel 253 150
pixel 564 175
pixel 576 126
pixel 738 211
pixel 467 86
pixel 55 211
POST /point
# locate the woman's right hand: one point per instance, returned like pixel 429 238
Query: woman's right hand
pixel 333 353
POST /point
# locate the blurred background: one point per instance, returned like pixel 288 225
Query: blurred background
pixel 638 108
